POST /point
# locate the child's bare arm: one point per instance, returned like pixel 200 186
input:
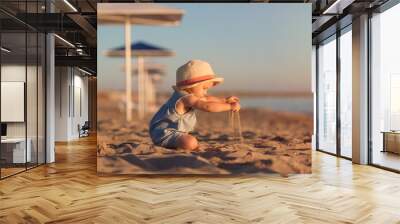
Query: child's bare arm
pixel 210 98
pixel 204 105
pixel 229 99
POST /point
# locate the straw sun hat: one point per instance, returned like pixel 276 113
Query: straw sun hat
pixel 193 73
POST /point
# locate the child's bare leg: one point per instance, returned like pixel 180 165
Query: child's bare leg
pixel 187 142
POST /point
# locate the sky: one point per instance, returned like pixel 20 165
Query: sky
pixel 254 46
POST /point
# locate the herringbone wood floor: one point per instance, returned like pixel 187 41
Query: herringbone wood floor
pixel 69 191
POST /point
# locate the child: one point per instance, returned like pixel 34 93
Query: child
pixel 171 125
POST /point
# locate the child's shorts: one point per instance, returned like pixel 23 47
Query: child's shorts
pixel 166 138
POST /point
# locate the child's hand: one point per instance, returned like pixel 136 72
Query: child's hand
pixel 232 99
pixel 235 106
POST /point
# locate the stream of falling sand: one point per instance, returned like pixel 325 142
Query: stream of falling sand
pixel 239 126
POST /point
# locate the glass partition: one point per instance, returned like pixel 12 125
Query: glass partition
pixel 346 92
pixel 385 89
pixel 31 97
pixel 14 151
pixel 327 95
pixel 22 90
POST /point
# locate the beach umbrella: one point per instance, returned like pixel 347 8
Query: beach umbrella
pixel 151 68
pixel 135 14
pixel 154 73
pixel 141 50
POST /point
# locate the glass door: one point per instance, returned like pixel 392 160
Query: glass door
pixel 326 102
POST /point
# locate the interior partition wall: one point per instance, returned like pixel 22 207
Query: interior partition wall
pixel 334 94
pixel 385 89
pixel 22 67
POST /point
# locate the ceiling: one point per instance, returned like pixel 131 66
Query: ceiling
pixel 332 15
pixel 74 22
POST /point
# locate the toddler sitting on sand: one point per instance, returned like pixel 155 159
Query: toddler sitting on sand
pixel 171 125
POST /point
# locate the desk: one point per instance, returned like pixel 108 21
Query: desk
pixel 391 141
pixel 13 150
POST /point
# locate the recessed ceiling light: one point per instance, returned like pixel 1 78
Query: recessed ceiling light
pixel 70 5
pixel 84 71
pixel 326 11
pixel 337 7
pixel 64 40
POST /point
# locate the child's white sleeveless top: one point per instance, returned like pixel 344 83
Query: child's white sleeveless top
pixel 167 120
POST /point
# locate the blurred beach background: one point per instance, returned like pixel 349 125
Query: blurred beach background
pixel 264 53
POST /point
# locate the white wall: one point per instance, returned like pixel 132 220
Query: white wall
pixel 62 82
pixel 17 73
pixel 14 73
pixel 33 126
pixel 71 87
pixel 80 118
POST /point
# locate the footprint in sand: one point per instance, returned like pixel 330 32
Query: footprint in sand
pixel 212 153
pixel 203 137
pixel 265 137
pixel 279 139
pixel 263 146
pixel 123 147
pixel 223 137
pixel 142 134
pixel 269 153
pixel 267 162
pixel 245 167
pixel 249 134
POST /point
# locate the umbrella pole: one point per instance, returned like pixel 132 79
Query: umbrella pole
pixel 145 92
pixel 140 86
pixel 128 70
pixel 151 93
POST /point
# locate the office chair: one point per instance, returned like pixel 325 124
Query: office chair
pixel 84 130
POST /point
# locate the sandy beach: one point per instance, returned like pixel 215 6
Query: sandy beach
pixel 274 142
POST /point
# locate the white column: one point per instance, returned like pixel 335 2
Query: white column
pixel 128 70
pixel 151 93
pixel 314 91
pixel 50 98
pixel 360 90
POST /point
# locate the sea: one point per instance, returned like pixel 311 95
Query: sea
pixel 277 103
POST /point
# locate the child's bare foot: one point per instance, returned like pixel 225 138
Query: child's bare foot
pixel 188 143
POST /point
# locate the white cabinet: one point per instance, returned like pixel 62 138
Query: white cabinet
pixel 17 147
